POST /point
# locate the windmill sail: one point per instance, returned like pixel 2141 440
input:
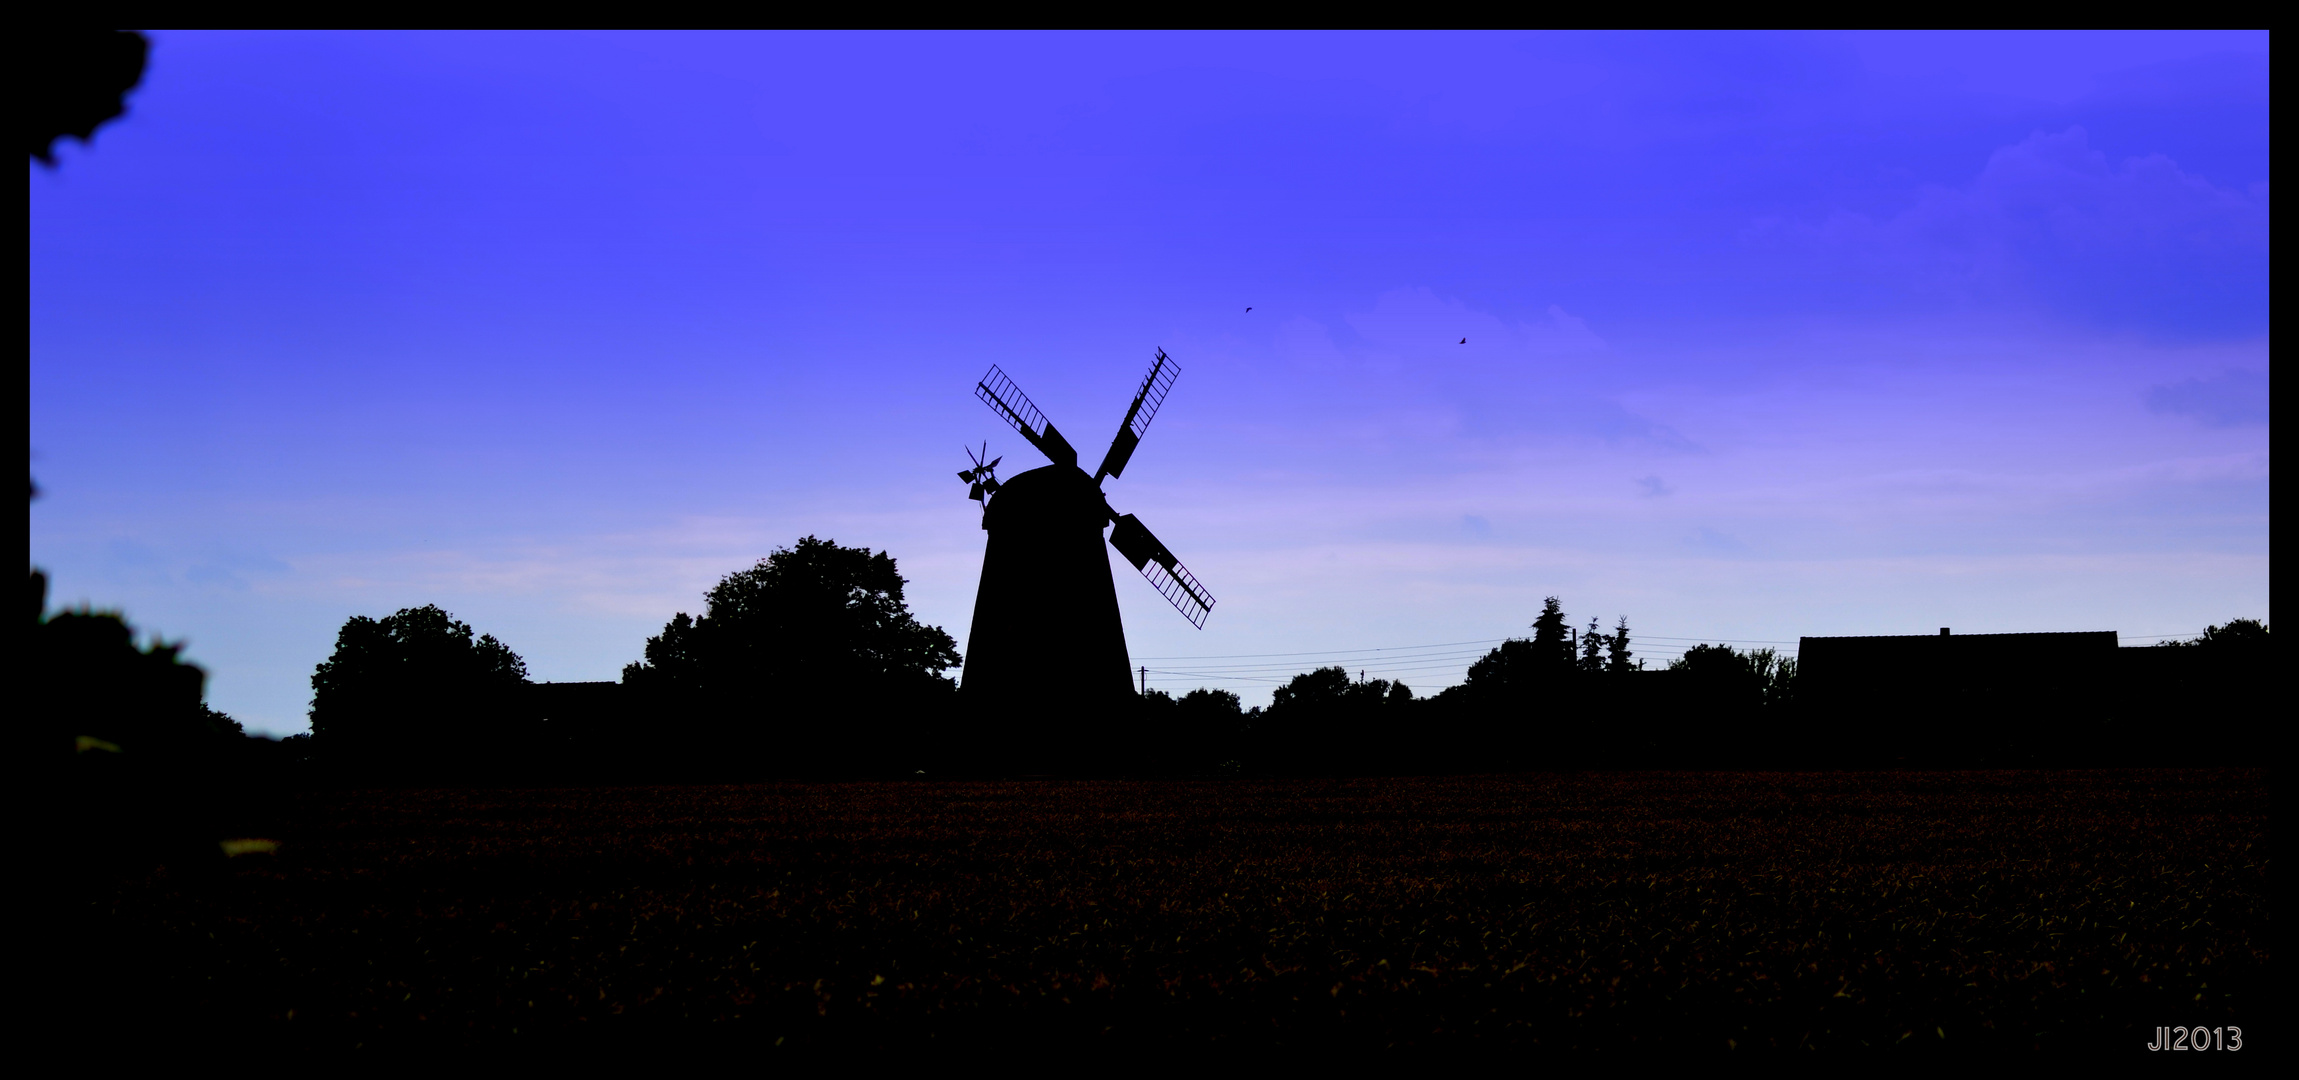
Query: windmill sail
pixel 1007 400
pixel 1160 379
pixel 1166 574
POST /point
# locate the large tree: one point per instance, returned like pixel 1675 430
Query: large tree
pixel 1521 703
pixel 1322 721
pixel 2238 636
pixel 1521 670
pixel 1729 681
pixel 788 656
pixel 118 758
pixel 1196 733
pixel 1618 659
pixel 417 690
pixel 1723 707
pixel 1593 642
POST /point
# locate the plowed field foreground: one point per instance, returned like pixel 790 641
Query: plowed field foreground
pixel 1916 912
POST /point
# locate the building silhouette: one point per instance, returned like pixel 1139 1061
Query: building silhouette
pixel 1972 699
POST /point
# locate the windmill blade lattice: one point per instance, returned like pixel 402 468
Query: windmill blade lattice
pixel 1152 394
pixel 1181 590
pixel 1007 400
pixel 1165 573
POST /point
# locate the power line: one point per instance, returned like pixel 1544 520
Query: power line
pixel 1286 673
pixel 1388 662
pixel 1634 639
pixel 1424 661
pixel 1325 652
pixel 1362 662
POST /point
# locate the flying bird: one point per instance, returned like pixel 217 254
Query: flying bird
pixel 1249 311
pixel 1464 341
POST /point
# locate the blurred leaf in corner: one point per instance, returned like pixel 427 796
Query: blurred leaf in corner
pixel 74 80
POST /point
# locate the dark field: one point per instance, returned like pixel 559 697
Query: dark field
pixel 1910 912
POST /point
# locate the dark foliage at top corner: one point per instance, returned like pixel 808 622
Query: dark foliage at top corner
pixel 74 80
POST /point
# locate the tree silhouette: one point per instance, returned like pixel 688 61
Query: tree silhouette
pixel 808 662
pixel 1549 636
pixel 1212 721
pixel 97 691
pixel 2238 636
pixel 114 739
pixel 2224 675
pixel 1592 649
pixel 1195 733
pixel 416 694
pixel 1523 668
pixel 1618 659
pixel 1728 677
pixel 1322 721
pixel 133 765
pixel 1777 673
pixel 1321 688
pixel 1727 707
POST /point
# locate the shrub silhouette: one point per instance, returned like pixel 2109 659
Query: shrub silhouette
pixel 122 755
pixel 1211 727
pixel 1203 731
pixel 133 765
pixel 808 663
pixel 1518 706
pixel 1323 722
pixel 1721 706
pixel 2246 638
pixel 415 695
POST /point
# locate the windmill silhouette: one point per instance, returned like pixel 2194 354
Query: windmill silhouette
pixel 1047 654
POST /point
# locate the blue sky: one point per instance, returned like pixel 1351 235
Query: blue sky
pixel 1768 335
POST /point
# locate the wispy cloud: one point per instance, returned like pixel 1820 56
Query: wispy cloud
pixel 2051 219
pixel 1416 322
pixel 2232 398
pixel 1501 377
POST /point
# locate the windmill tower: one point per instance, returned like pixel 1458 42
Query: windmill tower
pixel 1046 659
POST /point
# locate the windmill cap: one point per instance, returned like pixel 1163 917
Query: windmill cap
pixel 1056 497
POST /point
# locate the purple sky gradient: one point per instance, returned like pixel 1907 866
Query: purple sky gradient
pixel 1769 335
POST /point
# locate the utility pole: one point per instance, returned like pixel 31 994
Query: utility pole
pixel 1145 680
